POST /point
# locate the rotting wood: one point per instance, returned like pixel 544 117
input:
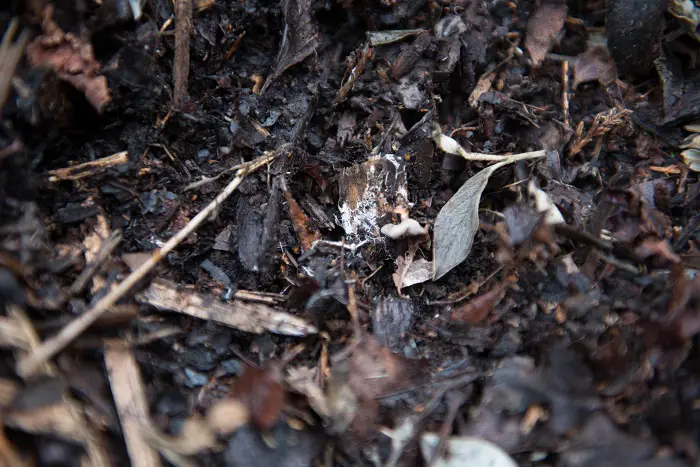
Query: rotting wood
pixel 88 169
pixel 255 318
pixel 181 64
pixel 29 364
pixel 130 400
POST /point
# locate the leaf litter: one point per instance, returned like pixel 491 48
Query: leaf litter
pixel 306 323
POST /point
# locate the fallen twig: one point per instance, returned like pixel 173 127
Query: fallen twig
pixel 181 64
pixel 206 180
pixel 106 249
pixel 56 343
pixel 88 169
pixel 565 91
pixel 130 400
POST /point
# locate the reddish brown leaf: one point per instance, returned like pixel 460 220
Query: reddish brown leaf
pixel 71 57
pixel 260 391
pixel 543 28
pixel 656 249
pixel 477 309
pixel 307 235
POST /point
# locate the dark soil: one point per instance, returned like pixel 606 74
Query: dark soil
pixel 572 344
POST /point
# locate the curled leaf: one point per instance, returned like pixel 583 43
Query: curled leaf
pixel 691 157
pixel 458 220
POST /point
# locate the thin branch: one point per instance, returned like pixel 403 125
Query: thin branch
pixel 29 364
pixel 181 64
pixel 106 249
pixel 88 169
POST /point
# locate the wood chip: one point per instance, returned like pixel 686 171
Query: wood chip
pixel 255 318
pixel 130 400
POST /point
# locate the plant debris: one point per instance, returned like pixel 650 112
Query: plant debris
pixel 389 233
pixel 71 57
pixel 458 221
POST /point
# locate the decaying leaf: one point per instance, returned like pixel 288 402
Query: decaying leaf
pixel 71 57
pixel 355 384
pixel 458 221
pixel 417 272
pixel 410 272
pixel 370 193
pixel 595 64
pixel 301 379
pixel 307 235
pixel 476 309
pixel 482 86
pixel 543 29
pixel 261 392
pixel 463 451
pixel 356 65
pixel 389 37
pixel 691 157
pixel 299 39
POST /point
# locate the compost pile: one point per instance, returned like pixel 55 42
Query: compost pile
pixel 349 232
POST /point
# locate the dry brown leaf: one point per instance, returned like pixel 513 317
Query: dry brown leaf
pixel 595 64
pixel 307 235
pixel 355 385
pixel 543 29
pixel 301 379
pixel 375 370
pixel 483 85
pixel 477 309
pixel 71 57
